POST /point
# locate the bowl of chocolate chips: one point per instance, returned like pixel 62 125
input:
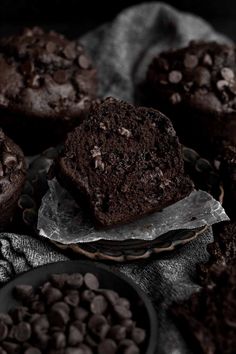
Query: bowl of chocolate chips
pixel 75 307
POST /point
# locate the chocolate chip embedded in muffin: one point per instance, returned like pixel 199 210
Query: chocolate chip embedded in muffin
pixel 12 178
pixel 47 83
pixel 196 88
pixel 124 161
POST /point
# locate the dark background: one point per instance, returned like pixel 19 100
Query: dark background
pixel 74 17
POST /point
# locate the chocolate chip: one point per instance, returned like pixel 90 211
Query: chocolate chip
pixel 96 324
pixel 80 326
pixel 52 295
pixel 11 348
pixel 232 87
pixel 23 292
pixel 132 349
pixel 60 76
pixel 34 81
pixel 138 335
pixel 175 98
pixel 102 126
pixel 221 84
pixel 123 302
pixel 38 306
pixel 88 295
pixel 117 333
pixel 27 67
pixel 1 170
pixel 59 279
pixel 128 324
pixel 18 313
pixel 69 51
pixel 202 76
pixel 75 281
pixel 58 340
pixel 22 332
pixel 207 60
pixel 58 317
pixel 84 62
pixel 175 77
pixel 3 331
pixel 40 324
pixel 80 313
pixel 61 305
pixel 74 336
pixel 111 295
pixel 98 305
pixel 5 318
pixel 91 281
pixel 51 47
pixel 227 74
pixel 84 349
pixel 32 350
pixel 72 298
pixel 122 312
pixel 9 160
pixel 108 346
pixel 125 132
pixel 190 61
pixel 163 64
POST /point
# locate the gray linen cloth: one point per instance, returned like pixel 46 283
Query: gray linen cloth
pixel 122 50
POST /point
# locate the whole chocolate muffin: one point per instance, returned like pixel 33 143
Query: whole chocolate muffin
pixel 12 178
pixel 195 86
pixel 125 161
pixel 46 86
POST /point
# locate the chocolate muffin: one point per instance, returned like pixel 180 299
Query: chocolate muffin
pixel 228 173
pixel 208 318
pixel 222 252
pixel 47 83
pixel 195 86
pixel 12 178
pixel 124 161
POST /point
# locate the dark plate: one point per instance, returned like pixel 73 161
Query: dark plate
pixel 203 173
pixel 131 250
pixel 145 313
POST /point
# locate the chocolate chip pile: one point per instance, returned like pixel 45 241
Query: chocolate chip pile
pixel 70 314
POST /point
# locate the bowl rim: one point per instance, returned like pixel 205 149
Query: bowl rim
pixel 151 312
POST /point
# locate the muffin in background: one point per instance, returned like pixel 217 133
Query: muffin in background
pixel 47 83
pixel 12 178
pixel 196 87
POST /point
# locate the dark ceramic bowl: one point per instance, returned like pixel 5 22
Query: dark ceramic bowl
pixel 142 308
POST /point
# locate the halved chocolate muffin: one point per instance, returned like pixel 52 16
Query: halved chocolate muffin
pixel 196 87
pixel 47 83
pixel 12 178
pixel 124 162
